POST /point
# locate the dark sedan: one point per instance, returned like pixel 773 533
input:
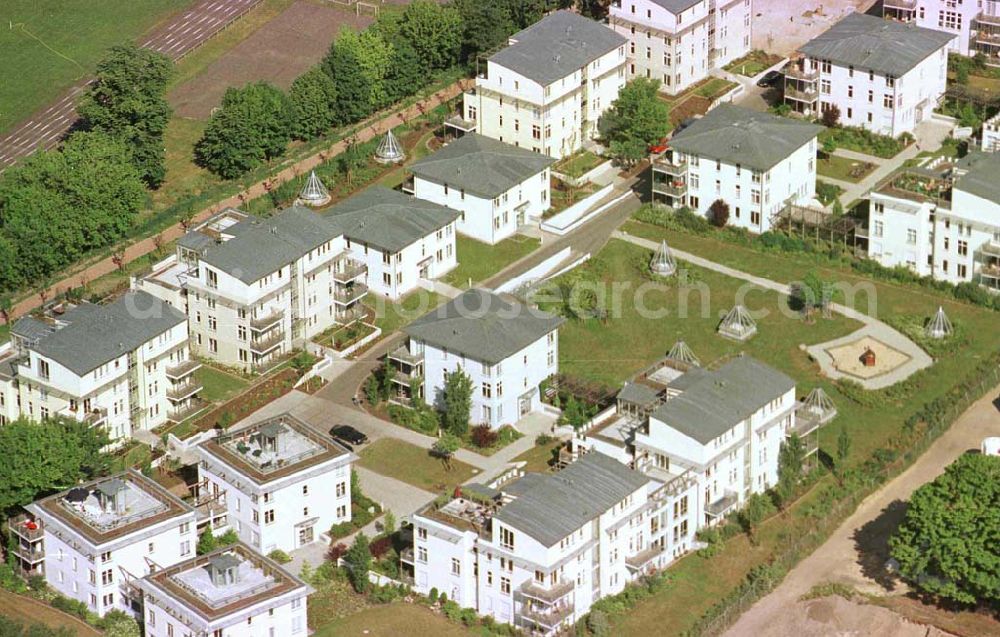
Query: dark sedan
pixel 770 79
pixel 348 434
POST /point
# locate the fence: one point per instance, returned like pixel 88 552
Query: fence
pixel 729 610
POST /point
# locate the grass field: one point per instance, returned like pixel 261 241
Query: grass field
pixel 538 457
pixel 578 164
pixel 753 63
pixel 392 315
pixel 217 385
pixel 54 43
pixel 413 465
pixel 29 611
pixel 479 261
pixel 843 168
pixel 395 619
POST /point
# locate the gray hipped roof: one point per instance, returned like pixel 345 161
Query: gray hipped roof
pixel 676 6
pixel 741 136
pixel 261 246
pixel 869 43
pixel 558 504
pixel 719 400
pixel 483 326
pixel 983 178
pixel 387 219
pixel 96 334
pixel 481 165
pixel 556 46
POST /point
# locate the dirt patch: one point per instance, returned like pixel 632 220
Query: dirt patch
pixel 782 27
pixel 278 52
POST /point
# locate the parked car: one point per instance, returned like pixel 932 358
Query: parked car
pixel 770 79
pixel 349 434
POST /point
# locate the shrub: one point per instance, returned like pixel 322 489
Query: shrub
pixel 335 552
pixel 451 610
pixel 433 595
pixel 483 436
pixel 380 546
pixel 543 439
pixel 718 212
pixel 598 624
pixel 831 116
pixel 280 556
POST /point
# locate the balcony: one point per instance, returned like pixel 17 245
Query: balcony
pixel 182 369
pixel 802 95
pixel 182 413
pixel 672 188
pixel 641 559
pixel 991 271
pixel 722 506
pixel 403 355
pixel 26 528
pixel 988 37
pixel 348 294
pixel 406 555
pixel 984 18
pixel 795 72
pixel 266 322
pixel 183 391
pixel 548 618
pixel 667 168
pixel 349 270
pixel 991 248
pixel 906 5
pixel 547 594
pixel 264 344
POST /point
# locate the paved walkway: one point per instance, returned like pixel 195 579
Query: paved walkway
pixel 856 552
pixel 929 133
pixel 918 358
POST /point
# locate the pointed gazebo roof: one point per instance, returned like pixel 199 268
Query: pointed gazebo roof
pixel 819 405
pixel 663 261
pixel 939 326
pixel 314 193
pixel 738 325
pixel 682 353
pixel 389 150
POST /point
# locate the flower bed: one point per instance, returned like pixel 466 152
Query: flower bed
pixel 246 403
pixel 753 63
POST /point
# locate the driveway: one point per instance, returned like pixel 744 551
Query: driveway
pixel 855 552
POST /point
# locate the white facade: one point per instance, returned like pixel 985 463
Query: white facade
pixel 956 240
pixel 490 220
pixel 97 565
pixel 680 47
pixel 289 503
pixel 394 274
pixel 974 24
pixel 502 570
pixel 131 386
pixel 275 606
pixel 553 117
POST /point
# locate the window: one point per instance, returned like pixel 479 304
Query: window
pixel 305 489
pixel 456 567
pixel 911 237
pixel 341 489
pixel 887 100
pixel 963 247
pixel 269 516
pixel 505 585
pixel 185 547
pixel 421 554
pixel 507 539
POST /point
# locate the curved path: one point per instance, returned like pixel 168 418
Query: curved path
pixel 917 358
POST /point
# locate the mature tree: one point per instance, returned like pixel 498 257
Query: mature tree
pixel 947 543
pixel 435 32
pixel 314 96
pixel 457 402
pixel 811 292
pixel 596 9
pixel 6 307
pixel 446 446
pixel 128 102
pixel 637 119
pixel 406 73
pixel 253 125
pixel 791 457
pixel 718 213
pixel 206 542
pixel 386 378
pixel 486 25
pixel 831 116
pixel 358 561
pixel 57 205
pixel 359 64
pixel 42 457
pixel 843 448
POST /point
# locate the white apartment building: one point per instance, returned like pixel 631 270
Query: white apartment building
pixel 714 434
pixel 974 23
pixel 252 287
pixel 884 76
pixel 537 552
pixel 548 88
pixel 951 233
pixel 124 366
pixel 232 592
pixel 94 541
pixel 282 484
pixel 506 349
pixel 989 137
pixel 758 163
pixel 495 186
pixel 397 238
pixel 679 41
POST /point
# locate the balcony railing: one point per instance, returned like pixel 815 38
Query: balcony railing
pixel 672 188
pixel 548 594
pixel 265 344
pixel 350 271
pixel 795 72
pixel 269 320
pixel 403 355
pixel 667 168
pixel 990 271
pixel 178 393
pixel 985 18
pixel 908 5
pixel 349 294
pixel 991 247
pixel 802 95
pixel 182 413
pixel 182 369
pixel 21 526
pixel 549 618
pixel 988 37
pixel 406 555
pixel 642 558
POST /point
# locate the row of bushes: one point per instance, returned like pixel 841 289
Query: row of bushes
pixel 865 141
pixel 823 252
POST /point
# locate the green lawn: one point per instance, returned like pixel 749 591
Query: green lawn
pixel 392 315
pixel 479 261
pixel 217 385
pixel 538 457
pixel 753 63
pixel 578 164
pixel 827 192
pixel 714 88
pixel 50 44
pixel 413 465
pixel 398 618
pixel 843 168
